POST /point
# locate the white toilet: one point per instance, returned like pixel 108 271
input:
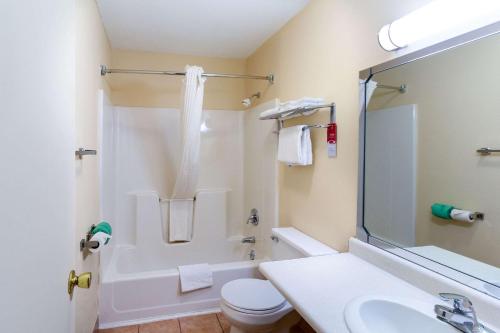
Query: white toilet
pixel 254 305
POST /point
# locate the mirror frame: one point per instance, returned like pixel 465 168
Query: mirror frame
pixel 365 75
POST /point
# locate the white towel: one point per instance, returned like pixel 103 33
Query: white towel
pixel 180 226
pixel 302 103
pixel 294 147
pixel 195 277
pixel 282 108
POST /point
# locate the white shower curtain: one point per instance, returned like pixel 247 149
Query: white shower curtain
pixel 182 201
pixel 370 88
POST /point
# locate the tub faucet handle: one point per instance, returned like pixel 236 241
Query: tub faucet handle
pixel 254 217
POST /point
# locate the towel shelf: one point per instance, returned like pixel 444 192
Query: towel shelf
pixel 301 112
pixel 284 115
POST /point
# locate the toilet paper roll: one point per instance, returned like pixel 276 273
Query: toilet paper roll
pixel 462 215
pixel 101 238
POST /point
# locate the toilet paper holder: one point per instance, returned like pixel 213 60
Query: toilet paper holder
pixel 477 216
pixel 86 243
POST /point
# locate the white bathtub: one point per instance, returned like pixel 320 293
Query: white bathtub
pixel 131 297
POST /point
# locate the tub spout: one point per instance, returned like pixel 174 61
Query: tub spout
pixel 250 239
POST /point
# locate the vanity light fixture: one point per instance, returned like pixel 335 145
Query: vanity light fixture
pixel 438 17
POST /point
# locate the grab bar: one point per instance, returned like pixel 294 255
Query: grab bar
pixel 82 152
pixel 487 151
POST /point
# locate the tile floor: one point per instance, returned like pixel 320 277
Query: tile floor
pixel 210 323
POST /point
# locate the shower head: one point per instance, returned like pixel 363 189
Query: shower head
pixel 248 101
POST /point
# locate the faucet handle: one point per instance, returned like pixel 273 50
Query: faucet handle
pixel 254 217
pixel 460 302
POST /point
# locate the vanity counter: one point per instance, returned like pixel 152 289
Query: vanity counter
pixel 320 287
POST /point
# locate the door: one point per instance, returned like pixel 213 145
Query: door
pixel 36 165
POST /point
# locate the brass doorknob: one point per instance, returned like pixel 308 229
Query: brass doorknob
pixel 82 281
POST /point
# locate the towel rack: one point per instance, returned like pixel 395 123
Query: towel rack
pixel 302 111
pixel 331 127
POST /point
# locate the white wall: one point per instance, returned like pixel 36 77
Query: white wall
pixel 140 150
pixel 147 152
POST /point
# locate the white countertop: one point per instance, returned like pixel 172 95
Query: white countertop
pixel 320 287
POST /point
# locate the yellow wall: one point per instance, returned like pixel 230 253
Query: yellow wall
pixel 92 49
pixel 319 53
pixel 164 91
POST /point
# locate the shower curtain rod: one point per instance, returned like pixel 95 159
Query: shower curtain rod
pixel 105 70
pixel 401 88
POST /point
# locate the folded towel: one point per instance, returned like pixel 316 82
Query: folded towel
pixel 294 147
pixel 195 277
pixel 301 103
pixel 180 226
pixel 304 102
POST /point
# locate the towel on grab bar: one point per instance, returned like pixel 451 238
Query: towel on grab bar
pixel 294 146
pixel 195 277
pixel 180 226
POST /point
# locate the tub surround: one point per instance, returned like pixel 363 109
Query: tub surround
pixel 334 280
pixel 138 150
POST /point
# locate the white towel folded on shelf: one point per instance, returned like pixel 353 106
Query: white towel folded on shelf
pixel 304 102
pixel 294 146
pixel 195 277
pixel 180 226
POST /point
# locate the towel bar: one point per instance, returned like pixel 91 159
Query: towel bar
pixel 487 151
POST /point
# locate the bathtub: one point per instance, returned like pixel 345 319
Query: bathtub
pixel 133 297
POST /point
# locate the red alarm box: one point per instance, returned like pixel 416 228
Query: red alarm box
pixel 331 140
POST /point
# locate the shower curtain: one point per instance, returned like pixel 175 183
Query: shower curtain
pixel 181 210
pixel 370 88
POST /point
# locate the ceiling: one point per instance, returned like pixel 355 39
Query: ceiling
pixel 216 28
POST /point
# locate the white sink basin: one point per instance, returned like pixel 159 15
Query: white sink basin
pixel 381 314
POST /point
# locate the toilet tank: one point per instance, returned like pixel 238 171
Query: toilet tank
pixel 289 243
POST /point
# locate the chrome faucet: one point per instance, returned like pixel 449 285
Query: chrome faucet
pixel 250 239
pixel 462 316
pixel 254 217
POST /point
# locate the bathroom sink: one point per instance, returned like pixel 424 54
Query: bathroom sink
pixel 381 314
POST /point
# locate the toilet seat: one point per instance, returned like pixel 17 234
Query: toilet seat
pixel 252 296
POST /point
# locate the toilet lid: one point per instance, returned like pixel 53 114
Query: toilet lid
pixel 252 295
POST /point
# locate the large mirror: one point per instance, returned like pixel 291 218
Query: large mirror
pixel 431 192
